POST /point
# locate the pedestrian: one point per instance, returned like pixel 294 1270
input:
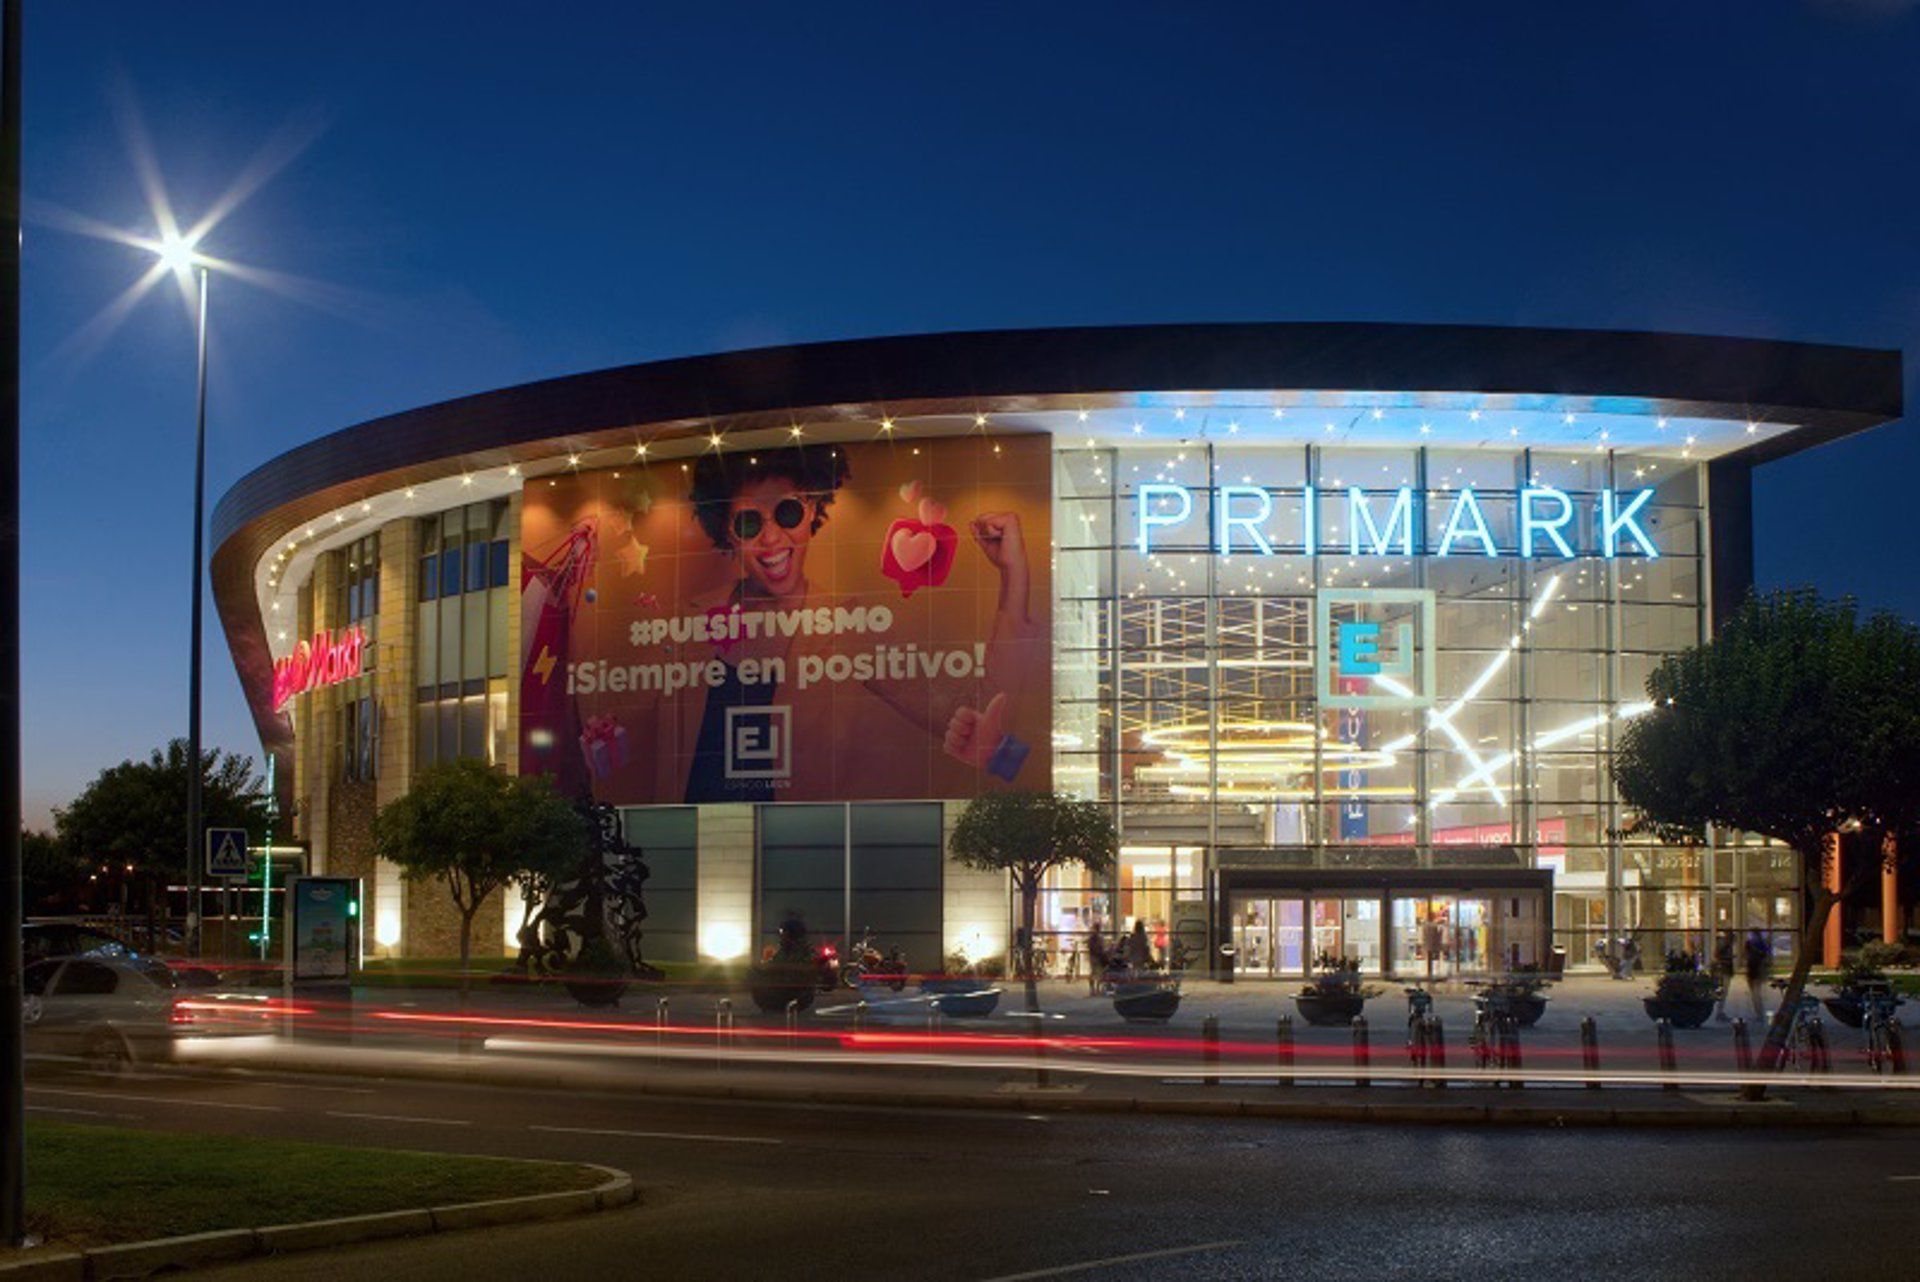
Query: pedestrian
pixel 1139 948
pixel 1629 956
pixel 1097 959
pixel 1758 962
pixel 1722 969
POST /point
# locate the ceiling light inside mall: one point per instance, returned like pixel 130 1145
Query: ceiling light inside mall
pixel 886 425
pixel 794 432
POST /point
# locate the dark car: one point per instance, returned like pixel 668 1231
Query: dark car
pixel 43 939
pixel 109 1011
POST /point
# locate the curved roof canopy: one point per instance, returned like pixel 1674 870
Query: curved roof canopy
pixel 1346 383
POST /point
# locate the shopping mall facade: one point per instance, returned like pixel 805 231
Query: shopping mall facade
pixel 1342 621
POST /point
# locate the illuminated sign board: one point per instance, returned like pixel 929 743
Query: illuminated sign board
pixel 1379 653
pixel 1383 523
pixel 326 660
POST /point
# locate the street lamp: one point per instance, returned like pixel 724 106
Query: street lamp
pixel 179 255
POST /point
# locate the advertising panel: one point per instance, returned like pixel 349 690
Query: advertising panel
pixel 321 934
pixel 809 622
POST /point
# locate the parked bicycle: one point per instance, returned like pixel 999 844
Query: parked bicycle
pixel 1421 1033
pixel 1495 1035
pixel 1885 1052
pixel 1806 1049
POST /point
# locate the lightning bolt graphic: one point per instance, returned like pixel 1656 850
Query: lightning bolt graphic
pixel 543 666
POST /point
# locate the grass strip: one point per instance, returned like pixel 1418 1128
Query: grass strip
pixel 97 1185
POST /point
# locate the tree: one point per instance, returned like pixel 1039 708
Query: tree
pixel 1027 835
pixel 135 813
pixel 49 869
pixel 1798 720
pixel 475 828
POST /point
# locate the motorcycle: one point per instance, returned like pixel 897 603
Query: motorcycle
pixel 867 962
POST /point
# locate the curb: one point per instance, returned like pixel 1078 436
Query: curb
pixel 142 1259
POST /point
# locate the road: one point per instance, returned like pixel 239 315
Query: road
pixel 740 1190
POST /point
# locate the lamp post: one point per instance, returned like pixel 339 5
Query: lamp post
pixel 193 645
pixel 178 254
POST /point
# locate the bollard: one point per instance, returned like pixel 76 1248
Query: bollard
pixel 722 1026
pixel 933 1021
pixel 1590 1051
pixel 859 1015
pixel 660 1020
pixel 1283 1050
pixel 1510 1045
pixel 1436 1050
pixel 1361 1052
pixel 793 1023
pixel 1663 1034
pixel 1742 1047
pixel 1210 1048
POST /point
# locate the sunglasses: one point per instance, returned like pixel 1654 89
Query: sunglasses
pixel 749 521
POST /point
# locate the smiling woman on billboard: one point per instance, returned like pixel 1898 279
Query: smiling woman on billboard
pixel 814 627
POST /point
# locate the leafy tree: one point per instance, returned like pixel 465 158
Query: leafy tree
pixel 1798 720
pixel 475 828
pixel 49 869
pixel 135 813
pixel 1027 835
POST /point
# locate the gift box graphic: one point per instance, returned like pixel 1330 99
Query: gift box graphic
pixel 603 743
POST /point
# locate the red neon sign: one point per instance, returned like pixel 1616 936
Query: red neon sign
pixel 323 661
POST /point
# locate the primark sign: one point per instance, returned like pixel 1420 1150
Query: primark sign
pixel 1545 521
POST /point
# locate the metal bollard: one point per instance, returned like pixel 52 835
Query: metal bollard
pixel 660 1021
pixel 933 1020
pixel 1742 1047
pixel 1283 1049
pixel 1590 1051
pixel 1663 1035
pixel 1362 1053
pixel 1210 1048
pixel 722 1026
pixel 1510 1035
pixel 793 1023
pixel 859 1015
pixel 1436 1049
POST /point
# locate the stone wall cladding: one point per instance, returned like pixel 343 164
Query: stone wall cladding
pixel 724 890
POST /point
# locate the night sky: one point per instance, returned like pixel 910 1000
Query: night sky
pixel 482 194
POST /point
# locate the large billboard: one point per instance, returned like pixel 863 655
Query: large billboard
pixel 810 622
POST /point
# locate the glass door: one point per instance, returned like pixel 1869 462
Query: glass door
pixel 1290 937
pixel 1471 917
pixel 1423 937
pixel 1253 936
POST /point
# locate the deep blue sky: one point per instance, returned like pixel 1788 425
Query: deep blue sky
pixel 503 192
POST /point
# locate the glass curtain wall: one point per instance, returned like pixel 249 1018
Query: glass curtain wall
pixel 462 593
pixel 1185 686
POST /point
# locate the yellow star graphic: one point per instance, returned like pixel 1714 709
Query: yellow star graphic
pixel 633 557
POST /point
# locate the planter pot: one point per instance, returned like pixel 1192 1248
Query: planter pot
pixel 1329 1010
pixel 1848 1009
pixel 773 985
pixel 1528 1010
pixel 1681 1012
pixel 973 1001
pixel 1146 1003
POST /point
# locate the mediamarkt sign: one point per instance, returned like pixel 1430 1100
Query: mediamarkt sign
pixel 1546 519
pixel 322 661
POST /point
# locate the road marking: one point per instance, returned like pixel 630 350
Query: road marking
pixel 658 1135
pixel 395 1117
pixel 85 1112
pixel 162 1100
pixel 1901 1178
pixel 1087 1265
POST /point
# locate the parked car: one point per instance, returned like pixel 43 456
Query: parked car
pixel 109 1011
pixel 43 939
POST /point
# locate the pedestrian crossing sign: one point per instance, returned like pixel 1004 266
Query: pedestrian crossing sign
pixel 226 852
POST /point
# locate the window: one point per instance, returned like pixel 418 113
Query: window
pixel 85 979
pixel 845 869
pixel 668 837
pixel 460 635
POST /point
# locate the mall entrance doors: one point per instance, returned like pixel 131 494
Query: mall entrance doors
pixel 1393 929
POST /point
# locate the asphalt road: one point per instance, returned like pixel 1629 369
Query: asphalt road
pixel 743 1190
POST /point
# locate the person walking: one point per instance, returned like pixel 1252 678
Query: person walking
pixel 1757 960
pixel 1139 948
pixel 1722 968
pixel 1097 959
